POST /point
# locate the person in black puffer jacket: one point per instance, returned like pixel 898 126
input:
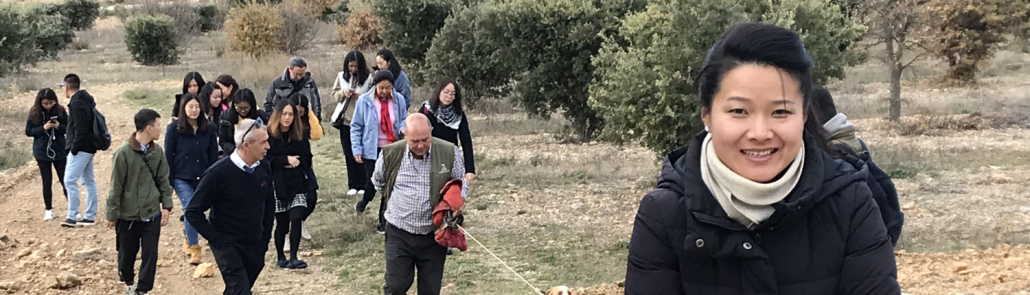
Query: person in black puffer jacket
pixel 244 106
pixel 47 124
pixel 756 204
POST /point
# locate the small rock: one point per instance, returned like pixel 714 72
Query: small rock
pixel 908 206
pixel 23 253
pixel 10 287
pixel 204 270
pixel 620 283
pixel 87 252
pixel 959 266
pixel 161 262
pixel 67 280
pixel 316 253
pixel 5 239
pixel 1024 209
pixel 60 253
pixel 1013 261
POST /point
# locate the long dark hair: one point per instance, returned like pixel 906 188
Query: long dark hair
pixel 434 102
pixel 192 76
pixel 363 72
pixel 395 66
pixel 227 80
pixel 296 128
pixel 205 97
pixel 37 114
pixel 300 100
pixel 244 95
pixel 183 125
pixel 763 44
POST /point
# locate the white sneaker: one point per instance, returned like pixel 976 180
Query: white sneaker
pixel 49 215
pixel 78 217
pixel 352 192
pixel 304 234
pixel 361 192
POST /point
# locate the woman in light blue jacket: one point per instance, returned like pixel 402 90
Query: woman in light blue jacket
pixel 378 121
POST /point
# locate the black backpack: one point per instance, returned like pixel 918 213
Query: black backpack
pixel 884 192
pixel 101 138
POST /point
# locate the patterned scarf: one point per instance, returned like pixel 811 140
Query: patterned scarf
pixel 385 126
pixel 447 116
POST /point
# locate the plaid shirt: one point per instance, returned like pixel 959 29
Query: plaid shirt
pixel 408 207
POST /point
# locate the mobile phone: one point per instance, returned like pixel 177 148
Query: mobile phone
pixel 53 119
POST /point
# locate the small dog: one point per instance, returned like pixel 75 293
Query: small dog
pixel 559 290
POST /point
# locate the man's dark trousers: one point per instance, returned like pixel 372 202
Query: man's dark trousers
pixel 240 265
pixel 130 237
pixel 406 252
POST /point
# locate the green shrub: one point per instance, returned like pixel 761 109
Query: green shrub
pixel 210 18
pixel 81 14
pixel 30 35
pixel 152 40
pixel 408 29
pixel 297 29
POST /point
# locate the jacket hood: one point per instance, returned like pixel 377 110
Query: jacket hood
pixel 822 176
pixel 85 97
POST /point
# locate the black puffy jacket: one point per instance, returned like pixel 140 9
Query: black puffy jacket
pixel 80 123
pixel 825 237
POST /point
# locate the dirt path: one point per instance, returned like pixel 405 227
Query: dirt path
pixel 89 252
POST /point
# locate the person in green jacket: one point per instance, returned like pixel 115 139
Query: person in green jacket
pixel 139 201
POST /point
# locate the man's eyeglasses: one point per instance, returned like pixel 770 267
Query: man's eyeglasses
pixel 257 123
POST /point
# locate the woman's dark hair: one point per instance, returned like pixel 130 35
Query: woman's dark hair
pixel 37 114
pixel 381 75
pixel 434 102
pixel 192 76
pixel 244 95
pixel 205 97
pixel 183 125
pixel 822 103
pixel 300 100
pixel 395 66
pixel 296 127
pixel 766 45
pixel 228 80
pixel 355 56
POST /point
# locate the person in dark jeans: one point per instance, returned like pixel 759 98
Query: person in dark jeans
pixel 47 124
pixel 190 147
pixel 378 121
pixel 354 81
pixel 139 201
pixel 238 190
pixel 411 174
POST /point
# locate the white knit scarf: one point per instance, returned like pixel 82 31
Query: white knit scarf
pixel 746 201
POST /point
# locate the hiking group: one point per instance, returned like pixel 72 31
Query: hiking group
pixel 777 195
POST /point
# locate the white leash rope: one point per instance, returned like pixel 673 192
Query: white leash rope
pixel 499 259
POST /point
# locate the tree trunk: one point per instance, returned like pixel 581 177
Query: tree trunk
pixel 895 99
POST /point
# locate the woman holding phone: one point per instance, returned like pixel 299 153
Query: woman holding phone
pixel 46 124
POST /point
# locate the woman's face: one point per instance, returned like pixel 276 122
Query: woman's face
pixel 352 67
pixel 48 104
pixel 216 98
pixel 287 118
pixel 384 87
pixel 193 88
pixel 447 95
pixel 383 65
pixel 243 108
pixel 226 89
pixel 193 109
pixel 756 121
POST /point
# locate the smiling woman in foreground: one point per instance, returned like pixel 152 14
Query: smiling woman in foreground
pixel 755 205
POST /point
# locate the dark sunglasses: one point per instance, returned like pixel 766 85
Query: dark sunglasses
pixel 257 123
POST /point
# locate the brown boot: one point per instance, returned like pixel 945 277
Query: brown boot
pixel 185 246
pixel 194 254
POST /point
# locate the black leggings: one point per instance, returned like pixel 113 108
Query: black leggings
pixel 48 179
pixel 289 222
pixel 356 177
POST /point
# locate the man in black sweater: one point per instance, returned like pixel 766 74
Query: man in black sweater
pixel 81 148
pixel 237 190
